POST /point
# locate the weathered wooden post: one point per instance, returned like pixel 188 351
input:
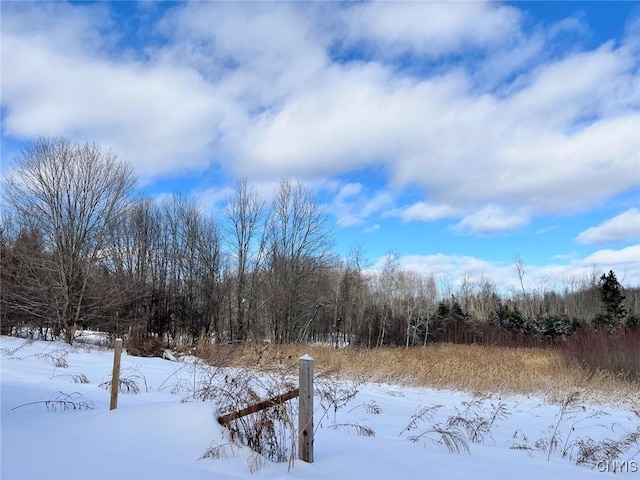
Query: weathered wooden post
pixel 115 377
pixel 305 408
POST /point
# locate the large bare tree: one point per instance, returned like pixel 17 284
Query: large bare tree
pixel 352 295
pixel 193 268
pixel 131 257
pixel 244 222
pixel 71 193
pixel 298 239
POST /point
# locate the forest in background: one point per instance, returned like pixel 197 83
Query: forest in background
pixel 79 250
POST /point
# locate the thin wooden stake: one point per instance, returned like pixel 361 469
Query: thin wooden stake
pixel 305 408
pixel 115 377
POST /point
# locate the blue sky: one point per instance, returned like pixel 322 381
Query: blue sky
pixel 458 135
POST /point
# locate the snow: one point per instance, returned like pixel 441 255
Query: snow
pixel 154 434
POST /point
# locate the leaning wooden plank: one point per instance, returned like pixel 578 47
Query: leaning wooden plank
pixel 277 400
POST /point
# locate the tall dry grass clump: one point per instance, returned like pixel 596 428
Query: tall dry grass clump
pixel 475 368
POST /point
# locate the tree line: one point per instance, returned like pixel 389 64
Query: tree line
pixel 79 249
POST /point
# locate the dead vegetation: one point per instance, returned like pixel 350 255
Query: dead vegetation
pixel 473 368
pixel 61 401
pixel 141 343
pixel 622 446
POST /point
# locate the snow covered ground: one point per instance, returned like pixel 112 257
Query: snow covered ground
pixel 155 435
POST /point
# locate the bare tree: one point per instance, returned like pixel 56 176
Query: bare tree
pixel 413 295
pixel 351 297
pixel 244 217
pixel 71 193
pixel 519 269
pixel 298 240
pixel 389 283
pixel 25 273
pixel 431 292
pixel 487 297
pixel 193 267
pixel 129 258
pixel 465 291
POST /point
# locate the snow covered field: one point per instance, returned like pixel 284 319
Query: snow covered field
pixel 155 435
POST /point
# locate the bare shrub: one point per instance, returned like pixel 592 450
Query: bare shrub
pixel 334 393
pixel 569 407
pixel 128 383
pixel 614 350
pixel 371 407
pixel 477 420
pixel 423 414
pixel 195 379
pixel 125 385
pixel 361 430
pixel 142 344
pixel 73 377
pixel 214 353
pixel 586 451
pixel 56 358
pixel 582 451
pixel 521 442
pixel 255 462
pixel 450 436
pixel 271 432
pixel 10 352
pixel 472 423
pixel 61 401
pixel 219 451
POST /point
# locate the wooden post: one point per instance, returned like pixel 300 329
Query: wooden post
pixel 305 407
pixel 115 377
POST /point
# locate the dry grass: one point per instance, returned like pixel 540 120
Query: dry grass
pixel 479 369
pixel 473 368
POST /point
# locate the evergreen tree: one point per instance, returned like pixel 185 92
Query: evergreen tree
pixel 612 299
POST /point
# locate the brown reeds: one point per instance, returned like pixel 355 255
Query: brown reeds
pixel 474 368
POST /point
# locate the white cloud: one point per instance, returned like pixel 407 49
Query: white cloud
pixel 254 88
pixel 213 198
pixel 424 211
pixel 372 229
pixel 432 28
pixel 542 231
pixel 350 190
pixel 522 149
pixel 339 121
pixel 490 220
pixel 447 265
pixel 257 54
pixel 620 228
pixel 158 117
pixel 76 31
pixel 608 257
pixel 452 269
pixel 353 204
pixel 587 84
